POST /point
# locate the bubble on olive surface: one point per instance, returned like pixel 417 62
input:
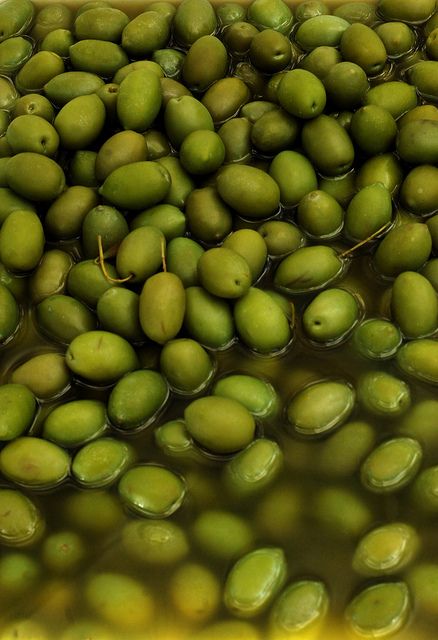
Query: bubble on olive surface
pixel 392 465
pixel 254 580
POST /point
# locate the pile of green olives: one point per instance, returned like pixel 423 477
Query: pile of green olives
pixel 218 320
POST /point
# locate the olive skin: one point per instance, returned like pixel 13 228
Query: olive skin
pixel 9 314
pixel 414 305
pixel 337 155
pixel 18 407
pixel 139 100
pixel 248 190
pixel 192 20
pixel 371 57
pixel 419 192
pixel 369 210
pixel 206 62
pixel 100 356
pixel 301 93
pixel 221 425
pixel 80 121
pixel 21 241
pixel 331 315
pixel 295 176
pixel 293 273
pixel 162 306
pixel 34 176
pixel 208 319
pixel 224 273
pixel 418 358
pixel 261 323
pixel 417 142
pixel 374 129
pixel 405 11
pixel 183 115
pixel 119 149
pixel 118 187
pixel 404 248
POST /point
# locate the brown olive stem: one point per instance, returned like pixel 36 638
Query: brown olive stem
pixel 364 241
pixel 103 267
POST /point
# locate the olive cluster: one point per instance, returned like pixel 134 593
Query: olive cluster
pixel 218 276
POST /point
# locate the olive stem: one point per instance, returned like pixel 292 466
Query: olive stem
pixel 103 267
pixel 364 241
pixel 163 256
